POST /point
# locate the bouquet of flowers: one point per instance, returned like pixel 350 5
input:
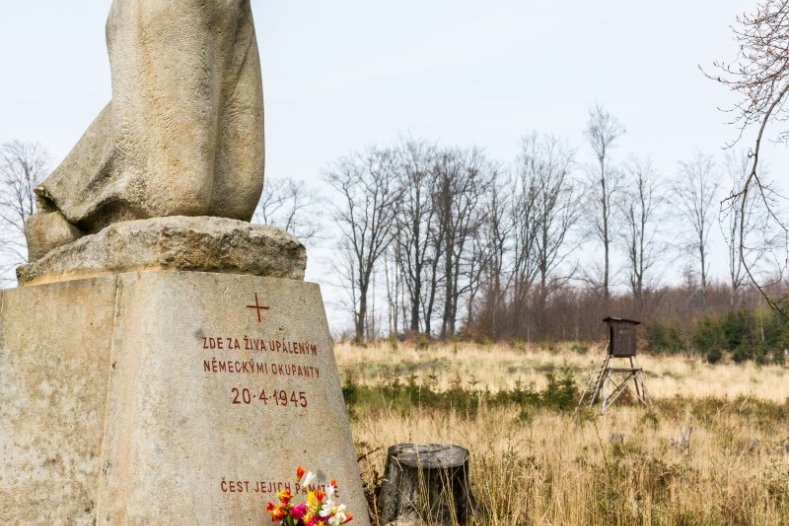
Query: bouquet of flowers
pixel 319 510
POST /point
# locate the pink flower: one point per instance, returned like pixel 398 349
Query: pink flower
pixel 319 510
pixel 297 512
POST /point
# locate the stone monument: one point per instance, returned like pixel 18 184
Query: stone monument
pixel 163 361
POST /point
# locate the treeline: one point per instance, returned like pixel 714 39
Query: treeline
pixel 744 334
pixel 452 238
pixel 446 242
pixel 413 216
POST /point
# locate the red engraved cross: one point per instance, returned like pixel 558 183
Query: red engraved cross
pixel 258 307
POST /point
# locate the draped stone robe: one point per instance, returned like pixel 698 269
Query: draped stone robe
pixel 183 134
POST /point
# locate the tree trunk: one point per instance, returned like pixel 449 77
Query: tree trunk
pixel 604 203
pixel 416 297
pixel 361 315
pixel 428 483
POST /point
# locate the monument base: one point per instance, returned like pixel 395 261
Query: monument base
pixel 167 397
pixel 202 244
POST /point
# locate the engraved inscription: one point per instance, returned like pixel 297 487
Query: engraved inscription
pixel 227 485
pixel 277 397
pixel 259 371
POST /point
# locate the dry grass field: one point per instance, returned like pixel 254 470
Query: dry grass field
pixel 536 462
pixel 495 367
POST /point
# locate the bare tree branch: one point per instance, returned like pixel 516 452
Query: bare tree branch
pixel 760 75
pixel 292 205
pixel 22 167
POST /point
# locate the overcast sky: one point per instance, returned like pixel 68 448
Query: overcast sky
pixel 342 74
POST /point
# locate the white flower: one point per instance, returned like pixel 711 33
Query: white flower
pixel 330 490
pixel 308 479
pixel 339 516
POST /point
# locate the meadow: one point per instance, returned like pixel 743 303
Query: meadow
pixel 535 461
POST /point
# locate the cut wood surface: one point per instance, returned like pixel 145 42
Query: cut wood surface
pixel 427 484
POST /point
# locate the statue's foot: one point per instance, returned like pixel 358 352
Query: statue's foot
pixel 48 230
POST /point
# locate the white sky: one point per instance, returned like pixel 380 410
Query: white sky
pixel 342 74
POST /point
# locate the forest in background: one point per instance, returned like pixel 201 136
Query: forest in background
pixel 445 243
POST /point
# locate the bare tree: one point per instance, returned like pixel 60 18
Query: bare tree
pixel 22 167
pixel 414 238
pixel 368 186
pixel 525 219
pixel 290 204
pixel 694 193
pixel 640 208
pixel 602 132
pixel 464 177
pixel 394 288
pixel 548 163
pixel 493 248
pixel 747 229
pixel 731 218
pixel 435 246
pixel 760 76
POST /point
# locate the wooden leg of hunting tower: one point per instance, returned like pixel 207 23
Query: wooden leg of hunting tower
pixel 609 400
pixel 641 388
pixel 636 379
pixel 644 398
pixel 428 483
pixel 588 394
pixel 599 381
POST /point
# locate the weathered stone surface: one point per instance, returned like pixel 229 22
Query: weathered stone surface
pixel 183 133
pixel 53 400
pixel 48 231
pixel 126 400
pixel 208 244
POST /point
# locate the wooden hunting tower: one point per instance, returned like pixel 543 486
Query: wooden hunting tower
pixel 610 382
pixel 621 337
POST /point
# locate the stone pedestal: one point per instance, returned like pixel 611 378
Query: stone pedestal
pixel 167 397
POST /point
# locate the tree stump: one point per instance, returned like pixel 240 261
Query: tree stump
pixel 426 483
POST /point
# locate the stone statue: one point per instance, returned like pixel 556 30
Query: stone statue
pixel 183 134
